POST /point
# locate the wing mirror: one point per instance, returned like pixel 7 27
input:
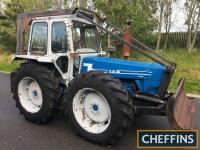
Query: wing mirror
pixel 111 49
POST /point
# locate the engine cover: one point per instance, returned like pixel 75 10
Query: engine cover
pixel 146 75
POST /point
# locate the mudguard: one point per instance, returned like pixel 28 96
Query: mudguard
pixel 180 109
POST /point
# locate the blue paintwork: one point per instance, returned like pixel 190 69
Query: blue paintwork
pixel 147 75
pixel 35 93
pixel 95 107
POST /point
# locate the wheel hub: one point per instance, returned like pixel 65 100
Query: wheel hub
pixel 91 110
pixel 95 107
pixel 35 93
pixel 30 94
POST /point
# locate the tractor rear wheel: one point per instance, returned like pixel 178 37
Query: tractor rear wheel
pixel 99 108
pixel 35 92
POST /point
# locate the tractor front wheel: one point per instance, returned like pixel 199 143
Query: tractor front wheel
pixel 99 108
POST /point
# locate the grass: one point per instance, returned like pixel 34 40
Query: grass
pixel 188 66
pixel 6 63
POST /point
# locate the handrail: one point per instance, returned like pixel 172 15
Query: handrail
pixel 158 58
pixel 140 43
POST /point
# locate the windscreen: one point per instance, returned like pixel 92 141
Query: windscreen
pixel 85 36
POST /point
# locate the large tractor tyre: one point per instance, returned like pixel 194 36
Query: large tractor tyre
pixel 98 107
pixel 35 91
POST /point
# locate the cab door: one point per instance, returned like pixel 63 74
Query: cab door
pixel 60 47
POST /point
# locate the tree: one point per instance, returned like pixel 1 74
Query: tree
pixel 83 3
pixel 8 26
pixel 59 4
pixel 167 19
pixel 139 12
pixel 192 22
pixel 160 22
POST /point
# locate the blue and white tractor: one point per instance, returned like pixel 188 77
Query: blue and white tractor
pixel 64 67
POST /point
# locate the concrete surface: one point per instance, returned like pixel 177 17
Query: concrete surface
pixel 18 134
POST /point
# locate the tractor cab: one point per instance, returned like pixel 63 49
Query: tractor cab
pixel 63 40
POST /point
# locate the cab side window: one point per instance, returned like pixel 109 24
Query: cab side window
pixel 39 38
pixel 59 38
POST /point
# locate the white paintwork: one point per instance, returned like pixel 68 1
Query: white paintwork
pixel 30 95
pixel 91 110
pixel 51 57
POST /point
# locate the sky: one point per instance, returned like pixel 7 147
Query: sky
pixel 178 17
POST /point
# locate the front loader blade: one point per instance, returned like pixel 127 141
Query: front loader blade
pixel 180 109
